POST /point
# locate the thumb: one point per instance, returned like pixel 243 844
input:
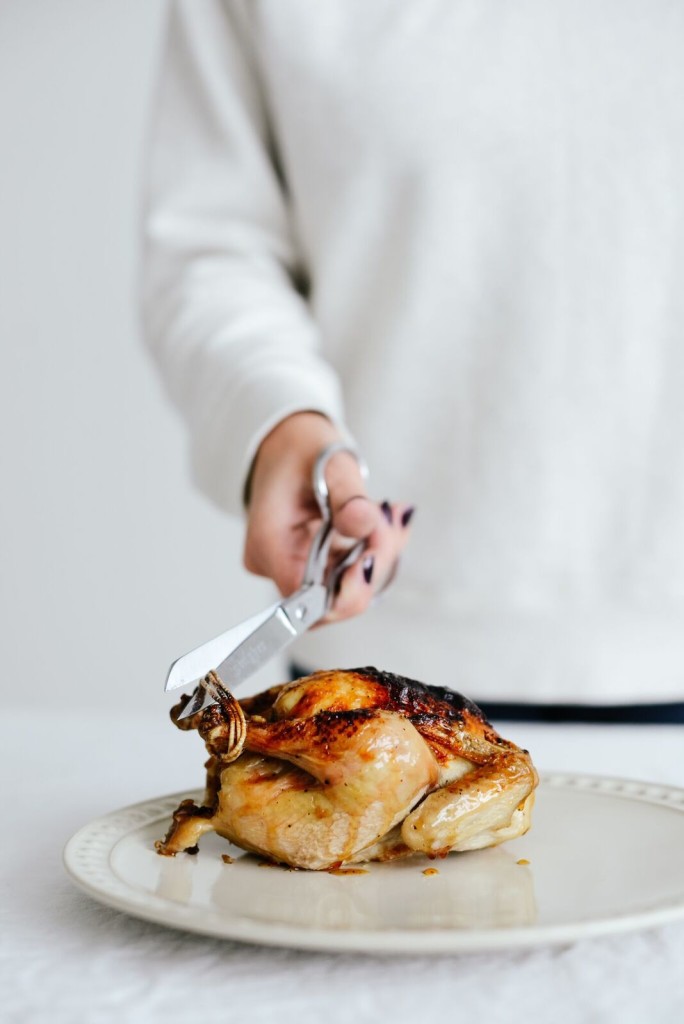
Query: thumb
pixel 353 513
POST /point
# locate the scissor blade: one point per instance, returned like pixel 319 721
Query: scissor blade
pixel 291 617
pixel 202 698
pixel 194 665
pixel 265 642
pixel 287 620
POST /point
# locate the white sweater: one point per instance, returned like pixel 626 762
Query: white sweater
pixel 467 217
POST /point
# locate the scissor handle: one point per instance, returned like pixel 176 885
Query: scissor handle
pixel 350 558
pixel 318 555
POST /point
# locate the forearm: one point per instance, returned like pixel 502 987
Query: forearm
pixel 234 340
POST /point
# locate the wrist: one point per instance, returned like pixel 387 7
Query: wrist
pixel 302 432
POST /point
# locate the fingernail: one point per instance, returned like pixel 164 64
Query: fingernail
pixel 368 566
pixel 386 510
pixel 407 516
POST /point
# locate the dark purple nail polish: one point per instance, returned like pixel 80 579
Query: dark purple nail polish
pixel 386 510
pixel 368 566
pixel 407 516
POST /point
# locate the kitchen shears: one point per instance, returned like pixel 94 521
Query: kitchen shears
pixel 238 653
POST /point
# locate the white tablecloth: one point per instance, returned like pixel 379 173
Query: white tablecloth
pixel 66 958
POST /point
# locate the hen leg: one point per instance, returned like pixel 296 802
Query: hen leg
pixel 190 822
pixel 483 808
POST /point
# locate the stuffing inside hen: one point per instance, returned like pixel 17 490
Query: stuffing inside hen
pixel 354 765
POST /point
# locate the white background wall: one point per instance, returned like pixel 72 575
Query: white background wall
pixel 110 565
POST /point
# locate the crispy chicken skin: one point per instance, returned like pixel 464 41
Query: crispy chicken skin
pixel 352 765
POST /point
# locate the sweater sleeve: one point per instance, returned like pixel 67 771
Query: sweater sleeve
pixel 222 314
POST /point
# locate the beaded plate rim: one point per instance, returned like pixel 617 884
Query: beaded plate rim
pixel 87 861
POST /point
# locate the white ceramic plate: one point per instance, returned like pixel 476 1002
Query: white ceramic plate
pixel 604 855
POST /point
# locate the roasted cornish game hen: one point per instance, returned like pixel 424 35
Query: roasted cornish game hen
pixel 353 765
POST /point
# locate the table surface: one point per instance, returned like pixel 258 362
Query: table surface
pixel 64 957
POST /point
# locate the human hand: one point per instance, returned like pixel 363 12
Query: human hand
pixel 283 515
